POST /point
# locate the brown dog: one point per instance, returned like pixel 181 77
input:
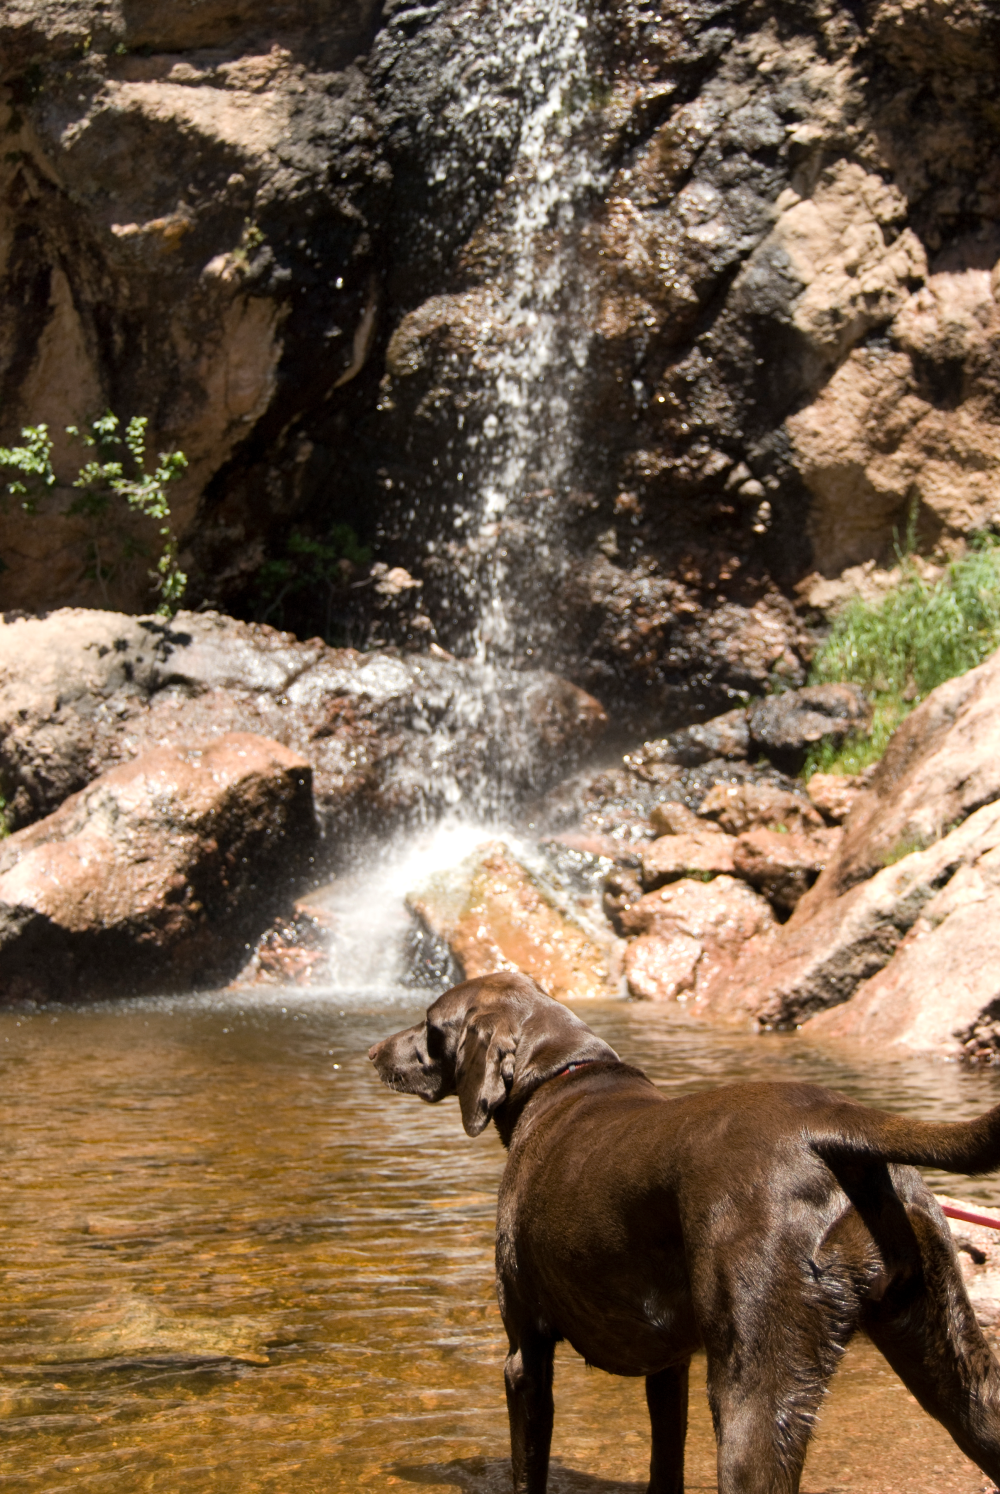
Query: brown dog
pixel 764 1223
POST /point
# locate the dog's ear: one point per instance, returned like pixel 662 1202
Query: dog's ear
pixel 484 1066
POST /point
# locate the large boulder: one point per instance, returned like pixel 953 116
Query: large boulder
pixel 388 735
pixel 829 946
pixel 158 875
pixel 493 912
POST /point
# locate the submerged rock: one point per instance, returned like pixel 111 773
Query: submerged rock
pixel 495 913
pixel 389 736
pixel 156 876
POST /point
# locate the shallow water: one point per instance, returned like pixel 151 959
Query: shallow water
pixel 233 1262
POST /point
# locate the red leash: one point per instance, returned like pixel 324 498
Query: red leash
pixel 969 1216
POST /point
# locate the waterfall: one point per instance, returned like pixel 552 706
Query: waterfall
pixel 537 344
pixel 510 453
pixel 493 454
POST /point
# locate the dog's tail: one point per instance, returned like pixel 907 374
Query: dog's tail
pixel 853 1132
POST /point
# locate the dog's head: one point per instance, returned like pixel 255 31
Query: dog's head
pixel 489 1040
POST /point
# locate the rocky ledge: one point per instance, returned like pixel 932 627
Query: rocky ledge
pixel 170 785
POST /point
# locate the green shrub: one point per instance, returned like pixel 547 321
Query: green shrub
pixel 901 648
pixel 102 481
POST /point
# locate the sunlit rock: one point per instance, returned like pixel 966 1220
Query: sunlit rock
pixel 782 865
pixel 389 736
pixel 157 875
pixel 686 932
pixel 495 913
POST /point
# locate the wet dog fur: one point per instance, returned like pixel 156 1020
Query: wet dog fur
pixel 763 1223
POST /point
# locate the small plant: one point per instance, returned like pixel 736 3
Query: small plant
pixel 309 577
pixel 901 648
pixel 101 481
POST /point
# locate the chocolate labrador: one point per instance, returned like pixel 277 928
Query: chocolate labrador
pixel 763 1223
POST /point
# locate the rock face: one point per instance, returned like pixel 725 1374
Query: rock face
pixel 493 913
pixel 388 736
pixel 293 237
pixel 941 764
pixel 157 875
pixel 153 261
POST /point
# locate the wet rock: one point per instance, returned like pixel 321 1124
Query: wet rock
pixel 786 726
pixel 622 890
pixel 830 945
pixel 743 806
pixel 494 913
pixel 685 932
pixel 388 735
pixel 673 856
pixel 781 866
pixel 942 763
pixel 835 794
pixel 618 803
pixel 673 818
pixel 293 951
pixel 157 875
pixel 726 737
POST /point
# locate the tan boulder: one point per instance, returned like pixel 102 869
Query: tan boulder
pixel 783 866
pixel 686 932
pixel 494 913
pixel 674 856
pixel 938 993
pixel 158 874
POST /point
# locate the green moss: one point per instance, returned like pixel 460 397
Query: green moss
pixel 901 648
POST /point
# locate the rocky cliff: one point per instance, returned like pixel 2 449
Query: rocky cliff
pixel 296 237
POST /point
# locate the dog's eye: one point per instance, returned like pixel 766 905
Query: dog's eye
pixel 435 1042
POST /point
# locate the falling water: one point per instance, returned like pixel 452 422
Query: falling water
pixel 538 348
pixel 495 482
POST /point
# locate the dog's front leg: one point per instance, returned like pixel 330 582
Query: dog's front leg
pixel 667 1399
pixel 528 1378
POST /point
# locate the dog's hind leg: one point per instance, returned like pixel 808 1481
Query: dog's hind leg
pixel 528 1379
pixel 667 1399
pixel 927 1330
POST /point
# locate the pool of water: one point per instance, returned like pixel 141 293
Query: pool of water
pixel 233 1262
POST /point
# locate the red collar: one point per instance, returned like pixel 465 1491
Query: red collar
pixel 571 1066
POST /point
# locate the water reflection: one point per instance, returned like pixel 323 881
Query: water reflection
pixel 234 1263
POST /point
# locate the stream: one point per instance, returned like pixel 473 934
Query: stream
pixel 234 1262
